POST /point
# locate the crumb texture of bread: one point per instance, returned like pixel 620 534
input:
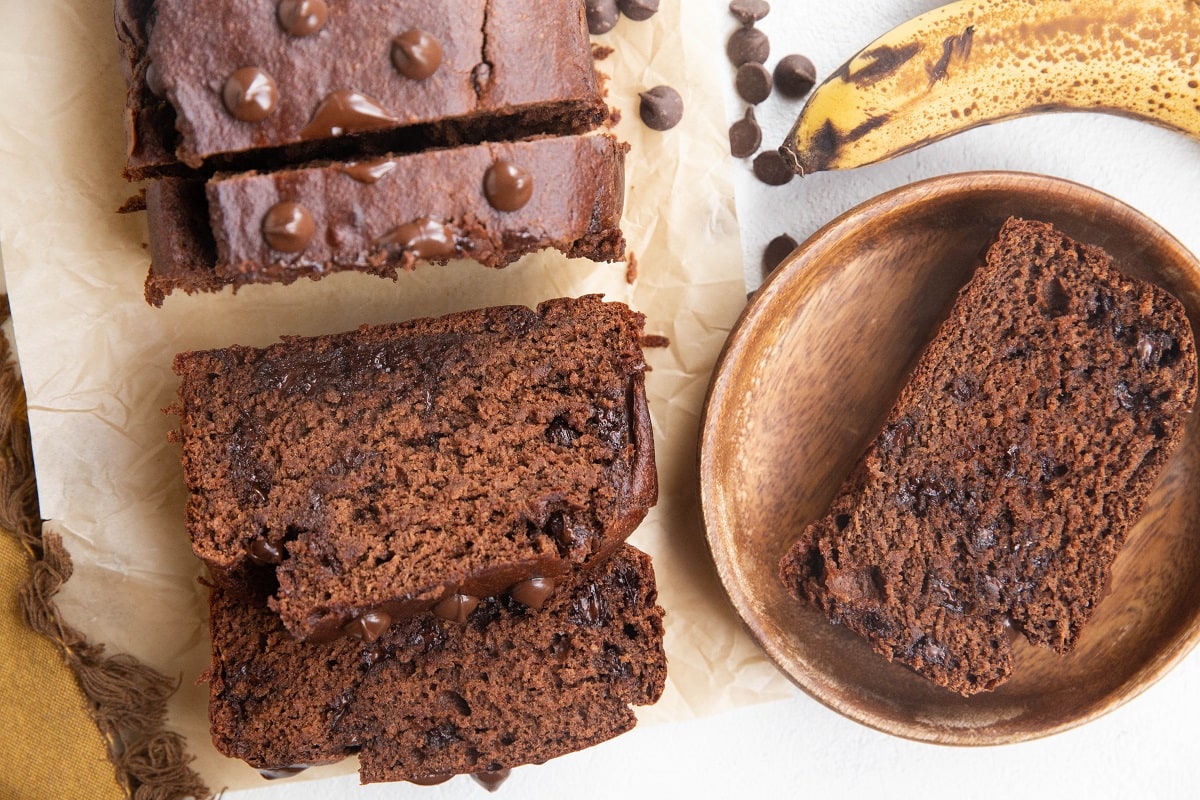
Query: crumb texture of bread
pixel 432 698
pixel 1012 467
pixel 385 469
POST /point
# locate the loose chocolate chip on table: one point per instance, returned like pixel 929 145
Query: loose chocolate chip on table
pixel 795 75
pixel 745 136
pixel 777 250
pixel 250 94
pixel 302 17
pixel 753 82
pixel 661 108
pixel 748 44
pixel 288 227
pixel 771 169
pixel 638 10
pixel 507 186
pixel 416 54
pixel 749 12
pixel 602 16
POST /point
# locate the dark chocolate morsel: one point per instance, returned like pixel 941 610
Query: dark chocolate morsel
pixel 795 75
pixel 368 171
pixel 602 16
pixel 154 81
pixel 777 250
pixel 661 108
pixel 745 136
pixel 507 186
pixel 288 227
pixel 753 82
pixel 749 12
pixel 533 592
pixel 416 54
pixel 456 607
pixel 263 553
pixel 771 168
pixel 346 112
pixel 491 779
pixel 430 780
pixel 748 44
pixel 280 772
pixel 424 238
pixel 369 625
pixel 302 17
pixel 638 10
pixel 250 94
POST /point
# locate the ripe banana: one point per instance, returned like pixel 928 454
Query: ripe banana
pixel 976 62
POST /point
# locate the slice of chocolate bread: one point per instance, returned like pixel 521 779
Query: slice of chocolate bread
pixel 381 472
pixel 1012 467
pixel 492 203
pixel 230 84
pixel 432 698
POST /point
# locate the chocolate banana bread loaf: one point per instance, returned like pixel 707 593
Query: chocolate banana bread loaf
pixel 492 203
pixel 232 84
pixel 432 698
pixel 1012 467
pixel 396 468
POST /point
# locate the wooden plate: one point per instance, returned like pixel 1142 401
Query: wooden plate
pixel 804 382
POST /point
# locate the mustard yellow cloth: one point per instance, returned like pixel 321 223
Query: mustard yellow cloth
pixel 49 745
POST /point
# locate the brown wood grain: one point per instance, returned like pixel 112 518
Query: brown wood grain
pixel 806 378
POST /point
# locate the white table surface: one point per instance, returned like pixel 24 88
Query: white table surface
pixel 797 747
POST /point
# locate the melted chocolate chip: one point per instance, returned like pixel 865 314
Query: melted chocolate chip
pixel 346 112
pixel 368 171
pixel 507 186
pixel 749 12
pixel 491 779
pixel 424 238
pixel 416 54
pixel 638 10
pixel 602 16
pixel 661 108
pixel 288 227
pixel 250 94
pixel 368 626
pixel 154 81
pixel 533 592
pixel 264 553
pixel 302 17
pixel 753 82
pixel 456 607
pixel 771 168
pixel 746 45
pixel 745 136
pixel 795 76
pixel 430 780
pixel 280 772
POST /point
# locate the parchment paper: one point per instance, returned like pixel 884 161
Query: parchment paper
pixel 96 358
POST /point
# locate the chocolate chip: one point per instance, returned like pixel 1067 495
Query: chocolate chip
pixel 638 10
pixel 745 136
pixel 250 94
pixel 302 17
pixel 424 238
pixel 416 54
pixel 368 626
pixel 456 607
pixel 430 780
pixel 772 169
pixel 749 12
pixel 280 772
pixel 263 553
pixel 753 82
pixel 343 112
pixel 154 81
pixel 491 779
pixel 748 44
pixel 661 108
pixel 602 16
pixel 795 75
pixel 506 186
pixel 777 250
pixel 533 592
pixel 288 227
pixel 367 171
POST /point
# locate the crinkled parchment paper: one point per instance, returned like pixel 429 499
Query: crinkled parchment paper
pixel 97 358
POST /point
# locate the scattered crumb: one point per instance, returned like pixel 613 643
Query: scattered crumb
pixel 135 203
pixel 655 340
pixel 601 52
pixel 631 267
pixel 614 117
